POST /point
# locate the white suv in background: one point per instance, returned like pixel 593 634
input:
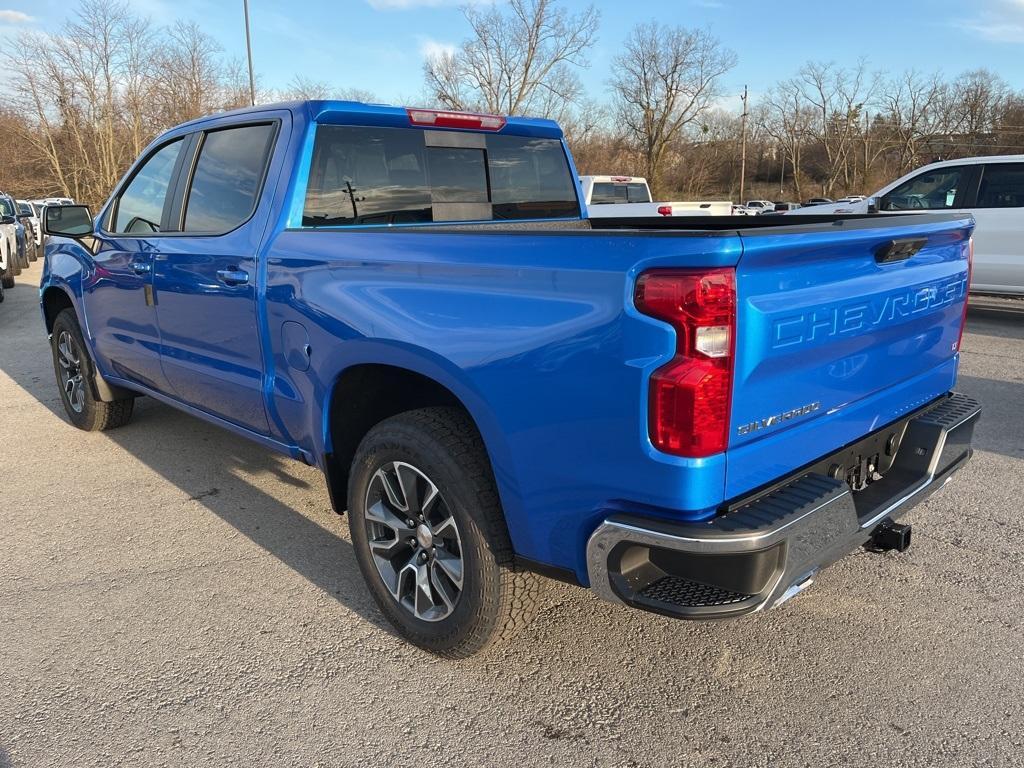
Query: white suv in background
pixel 990 188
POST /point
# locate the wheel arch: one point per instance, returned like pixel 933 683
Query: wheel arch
pixel 53 300
pixel 373 388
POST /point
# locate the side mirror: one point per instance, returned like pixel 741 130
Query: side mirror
pixel 73 221
pixel 6 219
pixel 872 205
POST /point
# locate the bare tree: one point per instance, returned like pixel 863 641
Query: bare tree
pixel 522 58
pixel 786 117
pixel 189 72
pixel 665 79
pixel 301 88
pixel 913 113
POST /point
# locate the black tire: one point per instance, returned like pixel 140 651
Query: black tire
pixel 83 407
pixel 7 277
pixel 494 599
pixel 33 251
pixel 23 259
pixel 1 293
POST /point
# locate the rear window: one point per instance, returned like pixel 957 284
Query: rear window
pixel 409 175
pixel 605 192
pixel 1002 186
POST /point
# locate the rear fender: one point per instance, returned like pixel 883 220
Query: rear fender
pixel 428 364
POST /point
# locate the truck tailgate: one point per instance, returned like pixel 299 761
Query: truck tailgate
pixel 841 329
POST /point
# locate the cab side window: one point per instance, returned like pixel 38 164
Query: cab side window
pixel 1002 186
pixel 140 206
pixel 929 191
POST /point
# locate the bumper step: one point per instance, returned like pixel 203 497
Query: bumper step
pixel 675 590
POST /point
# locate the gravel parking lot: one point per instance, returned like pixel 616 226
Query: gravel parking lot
pixel 173 595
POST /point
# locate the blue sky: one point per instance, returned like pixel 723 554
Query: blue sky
pixel 378 45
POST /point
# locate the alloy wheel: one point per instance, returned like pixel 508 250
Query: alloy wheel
pixel 414 541
pixel 71 380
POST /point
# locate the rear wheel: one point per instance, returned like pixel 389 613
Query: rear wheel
pixel 430 536
pixel 74 369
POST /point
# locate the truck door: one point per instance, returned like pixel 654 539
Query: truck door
pixel 999 211
pixel 118 298
pixel 205 279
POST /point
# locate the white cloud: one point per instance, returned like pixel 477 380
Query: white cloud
pixel 14 17
pixel 430 48
pixel 1002 22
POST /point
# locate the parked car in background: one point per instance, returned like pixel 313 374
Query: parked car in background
pixel 989 188
pixel 26 209
pixel 21 232
pixel 851 199
pixel 817 201
pixel 630 197
pixel 665 410
pixel 8 246
pixel 9 232
pixel 760 206
pixel 28 221
pixel 782 208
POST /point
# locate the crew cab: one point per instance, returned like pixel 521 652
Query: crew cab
pixel 690 416
pixel 989 188
pixel 618 196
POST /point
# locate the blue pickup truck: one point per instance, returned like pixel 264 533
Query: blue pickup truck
pixel 690 417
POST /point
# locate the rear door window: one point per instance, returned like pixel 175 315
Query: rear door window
pixel 362 175
pixel 1001 186
pixel 228 177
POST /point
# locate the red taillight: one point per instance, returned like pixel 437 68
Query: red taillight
pixel 665 210
pixel 967 290
pixel 439 119
pixel 690 396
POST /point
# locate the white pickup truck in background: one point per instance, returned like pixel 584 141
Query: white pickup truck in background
pixel 630 197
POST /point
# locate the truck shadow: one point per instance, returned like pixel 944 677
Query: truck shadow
pixel 212 466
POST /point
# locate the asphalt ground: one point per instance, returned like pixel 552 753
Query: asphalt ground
pixel 171 594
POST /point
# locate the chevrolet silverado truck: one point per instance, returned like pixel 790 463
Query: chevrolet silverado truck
pixel 687 416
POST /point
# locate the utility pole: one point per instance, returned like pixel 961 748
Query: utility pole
pixel 782 168
pixel 248 50
pixel 743 147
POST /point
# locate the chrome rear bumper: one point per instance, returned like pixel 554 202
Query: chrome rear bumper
pixel 769 547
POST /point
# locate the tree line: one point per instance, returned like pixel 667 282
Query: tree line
pixel 82 103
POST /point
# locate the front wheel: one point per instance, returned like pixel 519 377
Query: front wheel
pixel 430 537
pixel 74 369
pixel 7 275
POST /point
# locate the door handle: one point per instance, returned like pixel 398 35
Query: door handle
pixel 141 267
pixel 233 276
